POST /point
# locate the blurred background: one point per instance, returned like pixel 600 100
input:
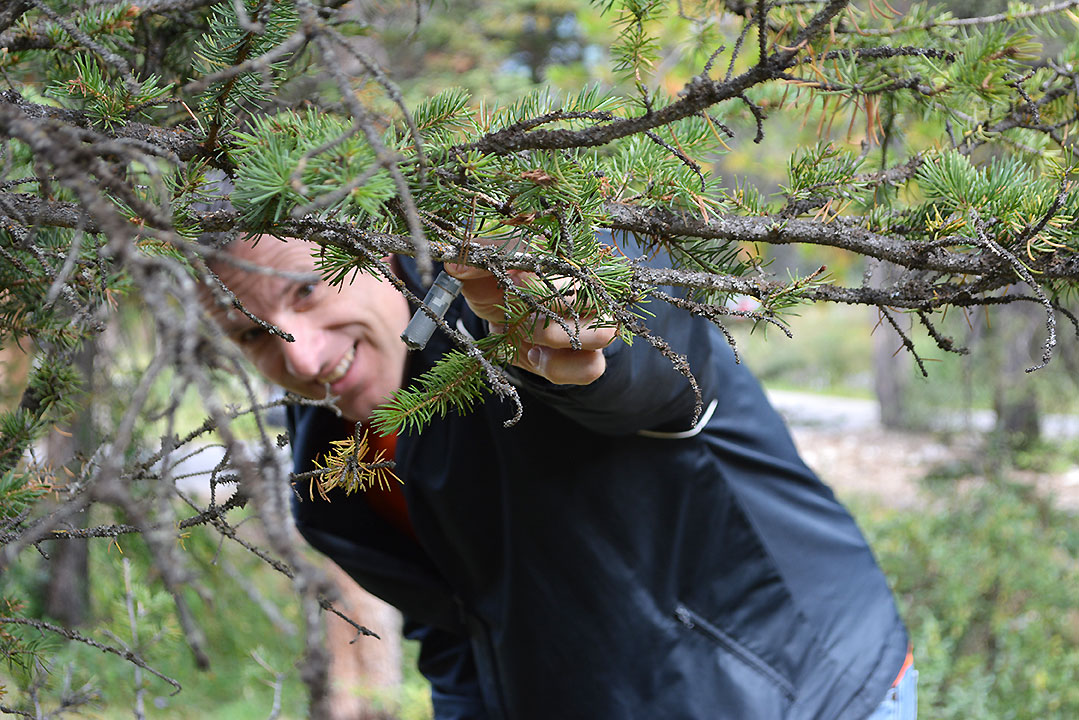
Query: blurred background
pixel 966 481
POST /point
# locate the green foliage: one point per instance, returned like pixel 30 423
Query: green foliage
pixel 711 256
pixel 110 25
pixel 19 493
pixel 21 647
pixel 987 60
pixel 650 175
pixel 53 391
pixel 544 100
pixel 824 170
pixel 229 42
pixel 441 116
pixel 240 683
pixel 54 385
pixel 87 86
pixel 986 582
pixel 455 383
pixel 957 185
pixel 29 302
pixel 279 146
pixel 747 199
pixel 1007 190
pixel 637 50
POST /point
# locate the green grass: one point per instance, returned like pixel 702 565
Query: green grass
pixel 236 685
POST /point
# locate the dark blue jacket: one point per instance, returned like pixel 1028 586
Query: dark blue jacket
pixel 604 560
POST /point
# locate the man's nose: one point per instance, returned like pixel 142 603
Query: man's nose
pixel 304 356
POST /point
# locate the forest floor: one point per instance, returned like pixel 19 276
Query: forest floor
pixel 843 441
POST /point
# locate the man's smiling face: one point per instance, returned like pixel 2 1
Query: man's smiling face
pixel 346 337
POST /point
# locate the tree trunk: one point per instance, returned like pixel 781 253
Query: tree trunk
pixel 1018 332
pixel 891 361
pixel 67 593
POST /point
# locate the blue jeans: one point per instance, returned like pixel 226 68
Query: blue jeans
pixel 901 702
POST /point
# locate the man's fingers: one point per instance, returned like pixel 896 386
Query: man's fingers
pixel 548 333
pixel 482 291
pixel 484 296
pixel 563 367
pixel 548 348
pixel 465 272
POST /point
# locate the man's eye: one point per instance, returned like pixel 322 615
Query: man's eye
pixel 303 291
pixel 250 335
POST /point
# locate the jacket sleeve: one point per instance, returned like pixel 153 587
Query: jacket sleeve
pixel 641 389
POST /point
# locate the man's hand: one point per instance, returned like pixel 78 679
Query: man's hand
pixel 550 353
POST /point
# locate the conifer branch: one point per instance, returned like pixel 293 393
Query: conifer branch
pixel 656 222
pixel 699 94
pixel 236 501
pixel 1022 271
pixel 11 13
pixel 262 63
pixel 108 56
pixel 943 342
pixel 361 120
pixel 1003 17
pixel 64 632
pixel 175 140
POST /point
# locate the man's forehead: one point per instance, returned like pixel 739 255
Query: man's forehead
pixel 273 252
pixel 266 262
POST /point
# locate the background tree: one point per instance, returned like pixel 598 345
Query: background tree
pixel 943 148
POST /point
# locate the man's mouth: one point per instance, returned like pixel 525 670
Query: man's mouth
pixel 342 367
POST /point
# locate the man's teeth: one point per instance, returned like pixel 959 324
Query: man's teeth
pixel 342 367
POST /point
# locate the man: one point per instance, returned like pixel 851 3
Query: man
pixel 604 557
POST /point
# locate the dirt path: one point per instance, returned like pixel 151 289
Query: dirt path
pixel 843 442
pixel 872 462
